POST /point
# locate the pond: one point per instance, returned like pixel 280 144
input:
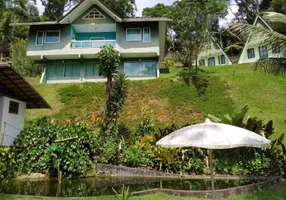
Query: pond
pixel 103 186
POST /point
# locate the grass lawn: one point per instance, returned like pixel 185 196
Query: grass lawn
pixel 264 94
pixel 168 100
pixel 278 193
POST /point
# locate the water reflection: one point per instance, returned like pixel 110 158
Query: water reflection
pixel 103 186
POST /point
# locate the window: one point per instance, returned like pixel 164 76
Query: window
pixel 52 36
pixel 146 35
pixel 263 52
pixel 250 53
pixel 276 49
pixel 94 14
pixel 92 69
pixel 55 70
pixel 211 61
pixel 202 62
pixel 40 38
pixel 133 34
pixel 139 69
pixel 13 107
pixel 222 59
pixel 72 70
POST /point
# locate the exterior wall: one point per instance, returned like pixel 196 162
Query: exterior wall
pixel 11 124
pixel 81 71
pixel 212 51
pixel 244 56
pixel 49 48
pixel 255 41
pixel 107 19
pixel 132 46
pixel 105 35
pixel 63 50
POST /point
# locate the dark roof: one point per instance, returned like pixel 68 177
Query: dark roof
pixel 13 85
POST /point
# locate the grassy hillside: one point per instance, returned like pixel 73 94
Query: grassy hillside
pixel 168 100
pixel 172 98
pixel 264 94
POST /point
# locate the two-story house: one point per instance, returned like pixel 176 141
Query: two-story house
pixel 68 47
pixel 255 48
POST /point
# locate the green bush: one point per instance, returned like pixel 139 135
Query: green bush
pixel 145 127
pixel 132 156
pixel 21 62
pixel 38 139
pixel 8 163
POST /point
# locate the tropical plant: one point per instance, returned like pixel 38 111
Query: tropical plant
pixel 109 59
pixel 236 119
pixel 125 193
pixel 119 95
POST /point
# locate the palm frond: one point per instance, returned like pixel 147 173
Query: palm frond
pixel 275 66
pixel 233 46
pixel 272 38
pixel 274 17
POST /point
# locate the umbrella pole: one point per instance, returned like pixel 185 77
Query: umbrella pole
pixel 212 172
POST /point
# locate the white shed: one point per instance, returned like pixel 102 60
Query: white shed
pixel 16 94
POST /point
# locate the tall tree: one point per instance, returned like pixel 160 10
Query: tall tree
pixel 124 8
pixel 248 9
pixel 20 8
pixel 7 32
pixel 192 23
pixel 159 10
pixel 278 6
pixel 54 9
pixel 109 59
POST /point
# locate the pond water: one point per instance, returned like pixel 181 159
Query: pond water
pixel 103 186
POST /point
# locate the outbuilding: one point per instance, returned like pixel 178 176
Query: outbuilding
pixel 16 95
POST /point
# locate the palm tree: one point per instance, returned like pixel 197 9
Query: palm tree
pixel 275 39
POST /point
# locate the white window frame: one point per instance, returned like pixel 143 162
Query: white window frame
pixel 53 31
pixel 42 38
pixel 93 18
pixel 134 29
pixel 149 34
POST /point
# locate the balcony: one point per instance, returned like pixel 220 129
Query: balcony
pixel 92 43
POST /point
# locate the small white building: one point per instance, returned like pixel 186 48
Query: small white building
pixel 16 95
pixel 213 55
pixel 254 48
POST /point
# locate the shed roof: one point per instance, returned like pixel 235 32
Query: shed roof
pixel 13 85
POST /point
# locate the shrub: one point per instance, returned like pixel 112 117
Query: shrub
pixel 168 63
pixel 38 139
pixel 21 62
pixel 8 163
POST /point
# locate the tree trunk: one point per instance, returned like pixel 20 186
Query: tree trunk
pixel 190 64
pixel 196 64
pixel 108 97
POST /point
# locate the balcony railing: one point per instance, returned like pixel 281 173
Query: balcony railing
pixel 92 43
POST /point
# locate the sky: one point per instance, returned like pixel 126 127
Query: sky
pixel 150 3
